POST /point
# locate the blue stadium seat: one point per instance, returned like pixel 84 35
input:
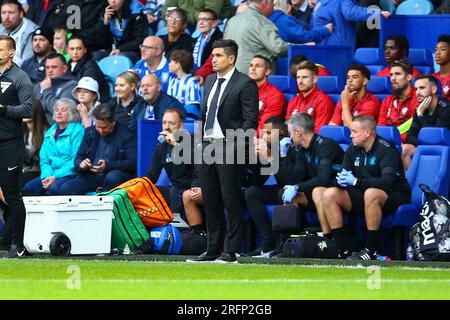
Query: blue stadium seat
pixel 340 134
pixel 414 7
pixel 420 57
pixel 381 97
pixel 328 84
pixel 289 97
pixel 377 85
pixel 285 84
pixel 112 66
pixel 367 56
pixel 335 97
pixel 392 134
pixel 425 69
pixel 374 69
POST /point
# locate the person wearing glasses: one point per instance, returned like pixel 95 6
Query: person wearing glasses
pixel 207 24
pixel 177 39
pixel 153 61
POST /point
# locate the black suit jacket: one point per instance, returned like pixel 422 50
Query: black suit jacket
pixel 238 106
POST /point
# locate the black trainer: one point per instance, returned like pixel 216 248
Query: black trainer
pixel 226 258
pixel 18 252
pixel 4 246
pixel 364 254
pixel 204 257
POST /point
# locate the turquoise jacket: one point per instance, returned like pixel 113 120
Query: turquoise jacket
pixel 56 157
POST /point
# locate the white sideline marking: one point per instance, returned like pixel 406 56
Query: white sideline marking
pixel 223 281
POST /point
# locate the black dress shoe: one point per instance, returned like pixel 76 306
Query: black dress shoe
pixel 204 257
pixel 226 258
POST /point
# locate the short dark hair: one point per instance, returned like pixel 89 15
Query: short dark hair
pixel 78 37
pixel 15 2
pixel 309 65
pixel 180 12
pixel 210 11
pixel 444 38
pixel 103 112
pixel 177 111
pixel 229 46
pixel 54 55
pixel 404 64
pixel 400 41
pixel 9 40
pixel 267 62
pixel 298 59
pixel 361 68
pixel 430 78
pixel 184 58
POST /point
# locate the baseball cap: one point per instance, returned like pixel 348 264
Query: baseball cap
pixel 86 83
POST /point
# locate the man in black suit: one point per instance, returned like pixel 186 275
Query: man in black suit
pixel 231 103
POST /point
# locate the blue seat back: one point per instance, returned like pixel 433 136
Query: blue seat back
pixel 425 69
pixel 381 97
pixel 434 136
pixel 335 97
pixel 420 57
pixel 414 7
pixel 367 56
pixel 379 85
pixel 328 84
pixel 374 69
pixel 340 134
pixel 288 97
pixel 392 134
pixel 285 84
pixel 112 66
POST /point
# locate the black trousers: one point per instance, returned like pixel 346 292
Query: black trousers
pixel 174 197
pixel 256 197
pixel 222 190
pixel 11 182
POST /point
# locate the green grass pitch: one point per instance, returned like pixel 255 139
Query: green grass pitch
pixel 112 279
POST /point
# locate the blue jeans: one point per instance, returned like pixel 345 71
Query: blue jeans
pixel 89 182
pixel 34 187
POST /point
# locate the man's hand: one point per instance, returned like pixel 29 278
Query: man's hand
pixel 290 191
pixel 82 109
pixel 85 164
pixel 347 95
pixel 329 26
pixel 99 168
pixel 46 83
pixel 424 105
pixel 109 13
pixel 385 14
pixel 284 146
pixel 200 80
pixel 47 182
pixel 151 18
pixel 195 194
pixel 115 52
pixel 2 197
pixel 346 178
pixel 170 139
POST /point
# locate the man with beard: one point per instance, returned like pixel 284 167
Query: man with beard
pixel 398 108
pixel 355 100
pixel 442 58
pixel 433 111
pixel 155 102
pixel 42 44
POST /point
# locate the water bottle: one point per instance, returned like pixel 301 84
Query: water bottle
pixel 410 253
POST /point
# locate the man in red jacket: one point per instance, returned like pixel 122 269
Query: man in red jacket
pixel 398 108
pixel 355 100
pixel 310 99
pixel 442 58
pixel 271 100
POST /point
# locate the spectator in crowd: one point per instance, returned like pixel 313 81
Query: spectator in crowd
pixel 355 100
pixel 25 5
pixel 343 14
pixel 310 99
pixel 61 143
pixel 42 43
pixel 47 14
pixel 123 28
pixel 60 42
pixel 220 7
pixel 177 39
pixel 296 60
pixel 365 37
pixel 323 161
pixel 153 13
pixel 58 83
pixel 184 87
pixel 370 188
pixel 400 107
pixel 180 174
pixel 106 157
pixel 292 170
pixel 433 111
pixel 81 65
pixel 155 102
pixel 19 28
pixel 302 11
pixel 442 58
pixel 91 11
pixel 396 47
pixel 255 34
pixel 291 30
pixel 271 100
pixel 207 24
pixel 34 130
pixel 153 61
pixel 87 95
pixel 127 84
pixel 444 8
pixel 204 71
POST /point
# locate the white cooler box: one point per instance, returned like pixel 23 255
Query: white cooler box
pixel 63 225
